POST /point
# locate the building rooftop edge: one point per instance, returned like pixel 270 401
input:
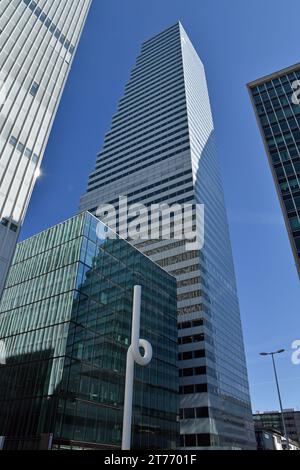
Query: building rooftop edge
pixel 277 74
pixel 82 214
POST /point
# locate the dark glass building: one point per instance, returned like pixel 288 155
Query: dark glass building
pixel 65 326
pixel 277 108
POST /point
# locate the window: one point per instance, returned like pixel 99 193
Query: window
pixel 188 389
pixel 189 413
pixel 201 388
pixel 295 223
pixel 203 440
pixel 190 440
pixel 32 6
pixel 188 372
pixel 28 153
pixel 34 88
pixel 187 355
pixel 13 141
pixel 4 222
pixel 202 412
pixel 20 147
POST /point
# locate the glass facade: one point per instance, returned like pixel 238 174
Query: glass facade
pixel 278 115
pixel 273 420
pixel 37 46
pixel 65 326
pixel 161 149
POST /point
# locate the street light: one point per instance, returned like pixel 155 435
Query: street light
pixel 280 351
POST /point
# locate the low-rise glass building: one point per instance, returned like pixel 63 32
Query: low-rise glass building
pixel 65 327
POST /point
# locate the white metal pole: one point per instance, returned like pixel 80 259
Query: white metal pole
pixel 134 355
pixel 281 407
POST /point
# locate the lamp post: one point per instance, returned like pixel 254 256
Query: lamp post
pixel 280 351
pixel 134 355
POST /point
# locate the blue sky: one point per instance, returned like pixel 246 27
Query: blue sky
pixel 237 41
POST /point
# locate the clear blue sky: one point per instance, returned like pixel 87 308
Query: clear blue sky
pixel 238 41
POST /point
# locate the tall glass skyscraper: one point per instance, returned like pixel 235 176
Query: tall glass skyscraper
pixel 161 149
pixel 277 108
pixel 38 41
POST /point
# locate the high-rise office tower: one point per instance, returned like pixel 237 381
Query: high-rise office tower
pixel 161 149
pixel 38 41
pixel 275 99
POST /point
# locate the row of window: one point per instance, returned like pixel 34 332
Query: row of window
pixel 156 60
pixel 141 133
pixel 182 126
pixel 196 371
pixel 193 281
pixel 193 295
pixel 151 97
pixel 275 82
pixel 184 200
pixel 149 110
pixel 283 125
pixel 146 165
pixel 280 128
pixel 191 324
pixel 274 104
pixel 133 158
pixel 167 48
pixel 194 254
pixel 283 140
pixel 188 269
pixel 194 413
pixel 198 388
pixel 288 186
pixel 282 156
pixel 156 119
pixel 156 77
pixel 288 137
pixel 152 84
pixel 151 101
pixel 5 222
pixel 284 113
pixel 161 38
pixel 280 92
pixel 24 150
pixel 154 185
pixel 194 309
pixel 191 339
pixel 164 248
pixel 195 440
pixel 199 354
pixel 53 29
pixel 291 203
pixel 295 223
pixel 288 170
pixel 153 80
